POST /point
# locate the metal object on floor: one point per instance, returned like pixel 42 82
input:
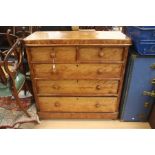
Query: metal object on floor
pixel 152 118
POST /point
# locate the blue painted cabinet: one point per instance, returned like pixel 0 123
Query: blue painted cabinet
pixel 134 105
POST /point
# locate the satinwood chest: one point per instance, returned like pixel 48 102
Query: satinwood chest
pixel 77 74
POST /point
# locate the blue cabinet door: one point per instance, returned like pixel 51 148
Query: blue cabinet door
pixel 134 105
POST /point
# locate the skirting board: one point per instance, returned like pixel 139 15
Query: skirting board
pixel 50 115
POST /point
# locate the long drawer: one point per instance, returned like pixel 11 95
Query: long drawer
pixel 77 104
pixel 71 54
pixel 73 71
pixel 76 87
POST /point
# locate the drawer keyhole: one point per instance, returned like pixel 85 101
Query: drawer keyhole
pixel 53 55
pixel 57 104
pixel 56 87
pixel 97 105
pixel 98 87
pixel 100 71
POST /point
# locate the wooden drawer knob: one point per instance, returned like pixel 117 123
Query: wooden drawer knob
pixel 97 105
pixel 56 87
pixel 57 104
pixel 98 87
pixel 52 55
pixel 101 54
pixel 100 71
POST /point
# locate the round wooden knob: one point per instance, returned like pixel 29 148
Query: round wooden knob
pixel 101 54
pixel 52 55
pixel 98 87
pixel 56 87
pixel 99 71
pixel 97 105
pixel 57 104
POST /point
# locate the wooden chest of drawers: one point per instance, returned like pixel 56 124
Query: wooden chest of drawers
pixel 77 74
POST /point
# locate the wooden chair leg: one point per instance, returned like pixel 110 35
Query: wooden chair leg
pixel 25 87
pixel 19 103
pixel 29 87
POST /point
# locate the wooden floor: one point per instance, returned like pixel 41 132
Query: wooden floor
pixel 87 124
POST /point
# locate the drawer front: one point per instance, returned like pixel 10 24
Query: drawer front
pixel 101 54
pixel 59 54
pixel 82 71
pixel 77 87
pixel 78 104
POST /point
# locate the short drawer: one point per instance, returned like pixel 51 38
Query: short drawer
pixel 59 54
pixel 77 87
pixel 78 104
pixel 101 54
pixel 81 71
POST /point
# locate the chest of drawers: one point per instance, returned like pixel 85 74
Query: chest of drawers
pixel 77 74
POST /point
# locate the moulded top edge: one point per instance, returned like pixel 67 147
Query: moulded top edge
pixel 77 37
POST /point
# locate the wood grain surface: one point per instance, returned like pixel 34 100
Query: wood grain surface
pixel 77 74
pixel 78 104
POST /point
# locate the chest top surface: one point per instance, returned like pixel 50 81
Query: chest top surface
pixel 77 37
